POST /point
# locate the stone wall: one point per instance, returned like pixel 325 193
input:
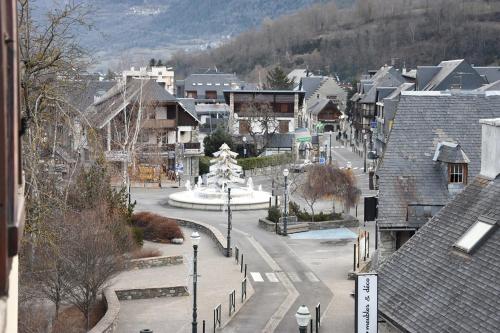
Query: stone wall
pixel 219 240
pixel 154 262
pixel 108 323
pixel 152 293
pixel 347 222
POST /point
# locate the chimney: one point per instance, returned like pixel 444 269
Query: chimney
pixel 490 147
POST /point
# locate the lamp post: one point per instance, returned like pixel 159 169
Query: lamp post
pixel 285 212
pixel 326 150
pixel 365 137
pixel 195 240
pixel 244 146
pixel 229 224
pixel 330 150
pixel 303 316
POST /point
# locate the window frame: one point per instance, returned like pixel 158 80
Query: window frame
pixel 457 173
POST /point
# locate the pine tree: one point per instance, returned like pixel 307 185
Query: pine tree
pixel 277 79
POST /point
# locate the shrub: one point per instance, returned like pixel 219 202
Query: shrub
pixel 265 161
pixel 273 214
pixel 138 235
pixel 204 165
pixel 156 227
pixel 305 216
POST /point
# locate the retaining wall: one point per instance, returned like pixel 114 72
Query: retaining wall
pixel 146 293
pixel 154 262
pixel 347 222
pixel 219 240
pixel 108 323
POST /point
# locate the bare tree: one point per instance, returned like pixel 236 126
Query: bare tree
pixel 91 256
pixel 262 124
pixel 338 184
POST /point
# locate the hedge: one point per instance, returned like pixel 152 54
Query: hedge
pixel 262 162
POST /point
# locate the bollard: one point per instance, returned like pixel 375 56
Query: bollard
pixel 241 268
pixel 311 321
pixel 354 261
pixel 359 254
pixel 203 326
pixel 270 202
pixel 368 242
pixel 245 270
pixel 146 330
pixel 236 254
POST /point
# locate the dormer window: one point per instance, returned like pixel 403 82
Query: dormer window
pixel 457 173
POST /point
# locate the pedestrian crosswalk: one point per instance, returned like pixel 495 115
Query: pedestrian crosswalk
pixel 295 277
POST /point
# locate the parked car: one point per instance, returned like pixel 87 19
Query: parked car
pixel 301 167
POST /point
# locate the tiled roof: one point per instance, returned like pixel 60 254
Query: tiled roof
pixel 494 86
pixel 318 105
pixel 189 106
pixel 212 82
pixel 80 94
pixel 491 73
pixel 113 101
pixel 428 286
pixel 386 76
pixel 311 84
pixel 407 173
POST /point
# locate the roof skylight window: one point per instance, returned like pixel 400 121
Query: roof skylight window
pixel 473 236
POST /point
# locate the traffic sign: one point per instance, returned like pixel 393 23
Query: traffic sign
pixel 322 160
pixel 179 167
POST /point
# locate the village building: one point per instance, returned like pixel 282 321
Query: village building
pixel 432 154
pixel 140 124
pixel 163 75
pixel 445 278
pixel 263 116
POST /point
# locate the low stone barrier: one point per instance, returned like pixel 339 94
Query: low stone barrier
pixel 347 222
pixel 146 293
pixel 210 231
pixel 108 323
pixel 154 262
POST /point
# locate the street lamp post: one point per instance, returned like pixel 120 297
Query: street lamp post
pixel 229 223
pixel 285 212
pixel 195 240
pixel 244 146
pixel 303 316
pixel 365 137
pixel 330 150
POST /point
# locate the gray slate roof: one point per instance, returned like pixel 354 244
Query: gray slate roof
pixel 386 76
pixel 211 82
pixel 447 74
pixel 80 94
pixel 494 86
pixel 491 73
pixel 426 286
pixel 408 174
pixel 318 105
pixel 111 103
pixel 281 140
pixel 311 84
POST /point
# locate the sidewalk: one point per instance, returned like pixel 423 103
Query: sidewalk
pixel 218 276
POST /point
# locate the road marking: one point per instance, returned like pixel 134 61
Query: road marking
pixel 272 277
pixel 256 277
pixel 355 168
pixel 311 277
pixel 337 147
pixel 294 277
pixel 293 294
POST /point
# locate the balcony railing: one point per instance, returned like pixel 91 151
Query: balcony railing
pixel 192 145
pixel 158 123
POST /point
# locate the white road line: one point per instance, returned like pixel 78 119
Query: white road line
pixel 311 277
pixel 294 277
pixel 256 277
pixel 272 277
pixel 337 147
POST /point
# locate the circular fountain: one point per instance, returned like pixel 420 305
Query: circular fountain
pixel 224 173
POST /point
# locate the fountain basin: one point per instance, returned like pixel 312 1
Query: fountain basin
pixel 213 199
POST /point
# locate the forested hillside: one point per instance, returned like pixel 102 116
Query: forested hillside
pixel 349 41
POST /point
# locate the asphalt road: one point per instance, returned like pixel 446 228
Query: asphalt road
pixel 284 272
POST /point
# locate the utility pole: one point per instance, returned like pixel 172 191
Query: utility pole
pixel 229 225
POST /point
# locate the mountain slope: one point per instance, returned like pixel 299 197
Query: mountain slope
pixel 366 36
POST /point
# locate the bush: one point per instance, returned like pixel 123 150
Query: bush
pixel 273 214
pixel 305 216
pixel 138 235
pixel 204 164
pixel 262 162
pixel 213 141
pixel 156 228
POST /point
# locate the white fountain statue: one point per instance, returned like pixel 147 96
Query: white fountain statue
pixel 188 185
pixel 224 173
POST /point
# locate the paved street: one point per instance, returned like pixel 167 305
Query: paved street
pixel 285 272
